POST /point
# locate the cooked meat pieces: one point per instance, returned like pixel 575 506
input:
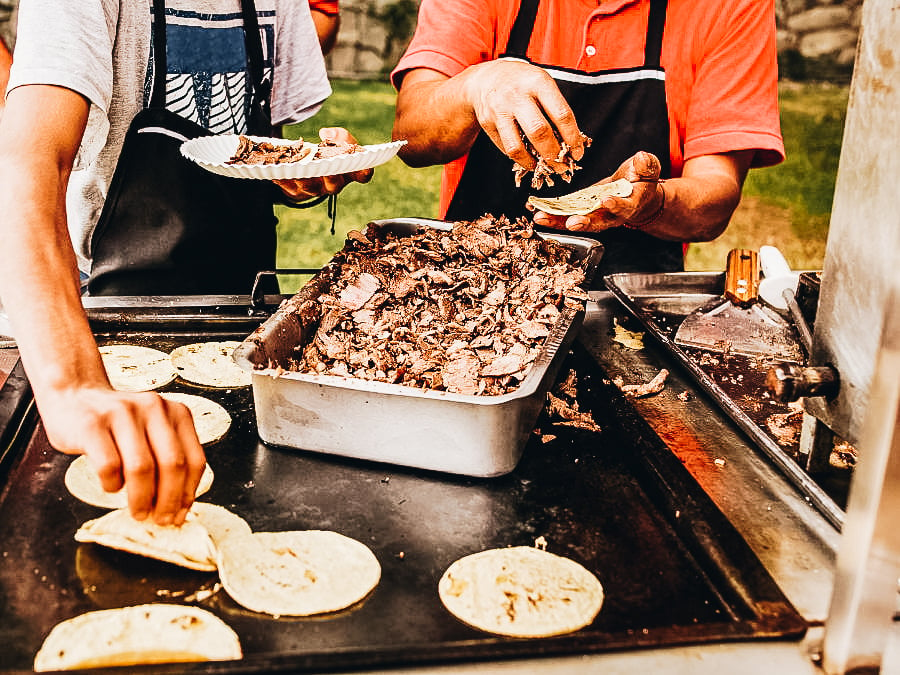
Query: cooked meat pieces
pixel 333 149
pixel 264 152
pixel 543 171
pixel 464 311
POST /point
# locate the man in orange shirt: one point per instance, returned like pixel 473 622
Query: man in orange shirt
pixel 681 91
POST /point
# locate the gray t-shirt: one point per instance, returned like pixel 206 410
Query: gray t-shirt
pixel 101 49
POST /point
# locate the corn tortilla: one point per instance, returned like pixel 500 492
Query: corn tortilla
pixel 521 592
pixel 210 364
pixel 192 544
pixel 581 202
pixel 135 368
pixel 139 634
pixel 211 420
pixel 297 573
pixel 83 483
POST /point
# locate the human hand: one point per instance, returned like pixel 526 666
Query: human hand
pixel 646 199
pixel 512 98
pixel 138 440
pixel 299 189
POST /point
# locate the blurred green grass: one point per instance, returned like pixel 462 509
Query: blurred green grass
pixel 787 205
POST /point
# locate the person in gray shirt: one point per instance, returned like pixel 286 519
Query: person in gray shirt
pixel 84 75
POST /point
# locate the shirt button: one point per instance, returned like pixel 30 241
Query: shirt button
pixel 590 50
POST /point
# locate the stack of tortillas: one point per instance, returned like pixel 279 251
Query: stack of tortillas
pixel 583 201
pixel 140 634
pixel 521 592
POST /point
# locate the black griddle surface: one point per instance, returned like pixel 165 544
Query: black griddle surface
pixel 618 502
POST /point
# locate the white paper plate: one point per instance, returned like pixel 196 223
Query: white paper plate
pixel 212 153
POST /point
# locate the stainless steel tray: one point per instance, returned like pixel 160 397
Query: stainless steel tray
pixel 660 302
pixel 462 434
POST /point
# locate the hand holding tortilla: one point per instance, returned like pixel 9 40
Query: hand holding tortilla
pixel 83 483
pixel 582 202
pixel 601 206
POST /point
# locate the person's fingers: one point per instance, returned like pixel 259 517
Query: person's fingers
pixel 195 458
pixel 138 463
pixel 169 431
pixel 336 135
pixel 104 458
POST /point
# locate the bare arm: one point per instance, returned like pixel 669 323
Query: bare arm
pixel 139 440
pixel 327 26
pixel 440 116
pixel 695 207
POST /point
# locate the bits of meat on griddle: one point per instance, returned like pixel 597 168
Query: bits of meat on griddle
pixel 464 311
pixel 264 152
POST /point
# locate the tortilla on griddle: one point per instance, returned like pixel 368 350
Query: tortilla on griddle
pixel 83 483
pixel 297 573
pixel 139 634
pixel 136 368
pixel 521 592
pixel 209 364
pixel 188 545
pixel 211 420
pixel 581 202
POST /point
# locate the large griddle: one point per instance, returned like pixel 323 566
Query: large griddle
pixel 616 501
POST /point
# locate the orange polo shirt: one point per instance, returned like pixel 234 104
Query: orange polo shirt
pixel 329 7
pixel 719 56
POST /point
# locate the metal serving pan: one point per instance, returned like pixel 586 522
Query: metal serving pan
pixel 660 302
pixel 455 433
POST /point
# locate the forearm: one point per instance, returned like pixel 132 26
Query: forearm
pixel 694 209
pixel 698 205
pixel 38 278
pixel 40 290
pixel 435 118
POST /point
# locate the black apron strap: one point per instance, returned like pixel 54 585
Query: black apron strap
pixel 655 26
pixel 259 117
pixel 158 45
pixel 520 35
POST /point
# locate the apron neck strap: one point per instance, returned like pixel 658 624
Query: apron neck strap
pixel 252 44
pixel 158 96
pixel 520 35
pixel 655 26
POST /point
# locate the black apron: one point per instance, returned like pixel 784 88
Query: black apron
pixel 622 110
pixel 169 227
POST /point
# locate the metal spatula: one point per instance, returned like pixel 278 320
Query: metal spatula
pixel 736 323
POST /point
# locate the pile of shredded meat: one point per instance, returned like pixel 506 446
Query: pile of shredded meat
pixel 464 311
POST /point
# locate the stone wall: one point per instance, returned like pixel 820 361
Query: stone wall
pixel 816 38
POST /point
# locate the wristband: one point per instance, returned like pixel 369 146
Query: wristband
pixel 641 224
